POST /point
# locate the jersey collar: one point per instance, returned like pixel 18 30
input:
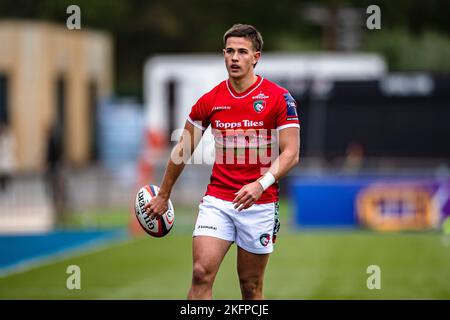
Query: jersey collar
pixel 250 89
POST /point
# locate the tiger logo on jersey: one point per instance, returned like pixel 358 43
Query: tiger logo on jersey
pixel 291 107
pixel 259 105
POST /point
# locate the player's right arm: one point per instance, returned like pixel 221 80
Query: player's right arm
pixel 181 153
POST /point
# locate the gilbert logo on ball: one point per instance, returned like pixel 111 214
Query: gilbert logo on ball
pixel 154 227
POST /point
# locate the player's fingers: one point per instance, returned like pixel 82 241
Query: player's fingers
pixel 159 212
pixel 154 210
pixel 149 207
pixel 239 190
pixel 159 209
pixel 243 200
pixel 247 204
pixel 239 200
pixel 154 215
pixel 157 217
pixel 239 195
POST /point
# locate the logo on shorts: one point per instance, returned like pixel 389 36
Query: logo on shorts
pixel 206 227
pixel 264 239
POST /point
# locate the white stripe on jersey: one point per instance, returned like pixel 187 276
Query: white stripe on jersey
pixel 289 125
pixel 229 90
pixel 195 124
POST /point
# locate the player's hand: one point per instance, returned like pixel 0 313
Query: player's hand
pixel 157 207
pixel 248 195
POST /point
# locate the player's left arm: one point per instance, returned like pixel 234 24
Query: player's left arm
pixel 289 141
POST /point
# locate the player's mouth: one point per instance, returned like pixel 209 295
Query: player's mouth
pixel 234 67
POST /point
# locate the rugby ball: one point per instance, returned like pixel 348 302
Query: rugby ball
pixel 154 227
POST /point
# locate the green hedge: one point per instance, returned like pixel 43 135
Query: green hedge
pixel 403 51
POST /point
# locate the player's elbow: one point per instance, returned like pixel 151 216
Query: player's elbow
pixel 297 158
pixel 293 157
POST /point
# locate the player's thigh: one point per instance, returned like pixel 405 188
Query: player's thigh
pixel 251 266
pixel 214 221
pixel 256 228
pixel 208 253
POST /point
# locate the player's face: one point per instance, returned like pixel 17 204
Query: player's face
pixel 240 57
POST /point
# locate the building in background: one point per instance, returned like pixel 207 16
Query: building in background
pixel 51 75
pixel 173 83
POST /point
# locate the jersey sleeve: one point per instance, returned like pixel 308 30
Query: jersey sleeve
pixel 287 115
pixel 200 113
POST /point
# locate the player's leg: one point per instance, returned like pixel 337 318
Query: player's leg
pixel 208 253
pixel 256 229
pixel 213 234
pixel 251 268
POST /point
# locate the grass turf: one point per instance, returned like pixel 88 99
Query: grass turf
pixel 305 265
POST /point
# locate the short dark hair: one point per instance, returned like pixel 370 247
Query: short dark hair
pixel 245 31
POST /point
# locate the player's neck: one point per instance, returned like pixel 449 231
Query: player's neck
pixel 242 84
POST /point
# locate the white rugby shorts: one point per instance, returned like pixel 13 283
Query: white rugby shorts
pixel 253 229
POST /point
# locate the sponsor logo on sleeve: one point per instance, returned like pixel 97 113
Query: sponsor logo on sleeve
pixel 291 107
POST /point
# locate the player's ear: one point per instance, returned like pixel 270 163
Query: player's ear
pixel 224 51
pixel 256 57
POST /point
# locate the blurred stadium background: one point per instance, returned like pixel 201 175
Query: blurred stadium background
pixel 88 116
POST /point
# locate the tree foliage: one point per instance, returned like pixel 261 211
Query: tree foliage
pixel 141 28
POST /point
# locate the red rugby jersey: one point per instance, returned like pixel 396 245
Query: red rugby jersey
pixel 244 127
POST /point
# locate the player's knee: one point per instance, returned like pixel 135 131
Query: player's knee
pixel 201 275
pixel 251 289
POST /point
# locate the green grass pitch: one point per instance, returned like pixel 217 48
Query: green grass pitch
pixel 305 265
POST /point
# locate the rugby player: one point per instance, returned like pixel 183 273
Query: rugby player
pixel 252 120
